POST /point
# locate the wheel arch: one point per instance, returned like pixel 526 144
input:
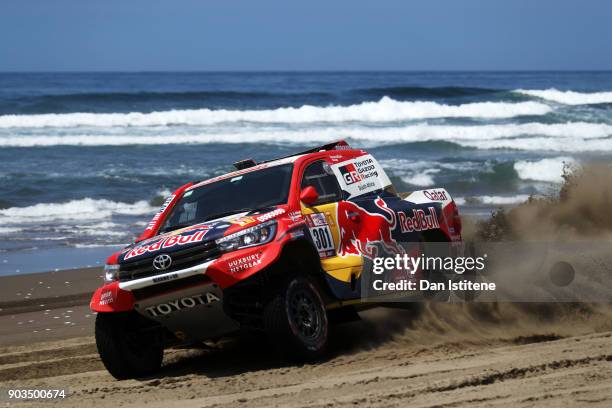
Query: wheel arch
pixel 301 257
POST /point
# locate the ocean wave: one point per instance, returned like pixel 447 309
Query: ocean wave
pixel 548 170
pixel 84 209
pixel 493 200
pixel 424 178
pixel 385 110
pixel 9 230
pixel 422 173
pixel 568 97
pixel 99 229
pixel 561 137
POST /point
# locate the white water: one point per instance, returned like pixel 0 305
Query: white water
pixel 549 170
pixel 385 110
pixel 84 209
pixel 560 137
pixel 568 97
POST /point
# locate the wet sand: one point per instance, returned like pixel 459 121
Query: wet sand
pixel 43 306
pixel 439 355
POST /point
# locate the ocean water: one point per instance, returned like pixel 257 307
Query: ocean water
pixel 85 159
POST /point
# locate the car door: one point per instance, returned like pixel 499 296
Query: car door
pixel 322 220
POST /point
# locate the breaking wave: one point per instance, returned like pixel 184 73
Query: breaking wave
pixel 493 200
pixel 569 97
pixel 549 170
pixel 385 110
pixel 559 137
pixel 84 209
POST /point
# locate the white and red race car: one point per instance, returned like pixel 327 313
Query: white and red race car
pixel 278 247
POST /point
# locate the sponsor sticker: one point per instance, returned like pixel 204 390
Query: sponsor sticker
pixel 439 195
pixel 270 215
pixel 295 216
pixel 321 234
pixel 435 195
pixel 243 221
pixel 169 242
pixel 350 175
pixel 106 298
pixel 165 278
pixel 420 220
pixel 246 262
pixel 361 175
pixel 151 225
pixel 189 302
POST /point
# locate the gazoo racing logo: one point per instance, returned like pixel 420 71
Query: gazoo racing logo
pixel 189 302
pixel 169 242
pixel 349 174
pixel 420 221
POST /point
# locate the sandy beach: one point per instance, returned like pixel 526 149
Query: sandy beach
pixel 43 306
pixel 439 354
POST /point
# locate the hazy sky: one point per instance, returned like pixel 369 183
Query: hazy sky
pixel 150 35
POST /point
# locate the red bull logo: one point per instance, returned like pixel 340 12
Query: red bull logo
pixel 170 242
pixel 419 220
pixel 363 232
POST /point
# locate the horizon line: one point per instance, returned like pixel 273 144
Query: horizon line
pixel 322 71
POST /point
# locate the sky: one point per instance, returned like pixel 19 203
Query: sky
pixel 254 35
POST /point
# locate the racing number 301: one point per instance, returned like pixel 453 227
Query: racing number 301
pixel 322 238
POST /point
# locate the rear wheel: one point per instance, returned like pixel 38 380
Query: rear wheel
pixel 127 347
pixel 296 321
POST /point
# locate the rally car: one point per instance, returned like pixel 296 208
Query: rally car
pixel 276 247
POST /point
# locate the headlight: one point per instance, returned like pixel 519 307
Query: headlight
pixel 111 273
pixel 249 237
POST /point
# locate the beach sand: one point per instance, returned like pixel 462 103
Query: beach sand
pixel 438 355
pixel 44 306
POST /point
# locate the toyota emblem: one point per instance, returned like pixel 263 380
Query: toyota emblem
pixel 162 262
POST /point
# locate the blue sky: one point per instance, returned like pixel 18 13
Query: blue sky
pixel 139 35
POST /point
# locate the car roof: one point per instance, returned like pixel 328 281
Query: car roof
pixel 337 150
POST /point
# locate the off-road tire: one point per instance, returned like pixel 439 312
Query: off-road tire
pixel 122 355
pixel 296 321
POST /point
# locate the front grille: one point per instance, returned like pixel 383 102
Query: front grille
pixel 182 259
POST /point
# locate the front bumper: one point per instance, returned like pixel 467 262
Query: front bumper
pixel 165 277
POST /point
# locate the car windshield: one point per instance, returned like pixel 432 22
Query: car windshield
pixel 246 192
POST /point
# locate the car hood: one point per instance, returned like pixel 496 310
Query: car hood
pixel 195 235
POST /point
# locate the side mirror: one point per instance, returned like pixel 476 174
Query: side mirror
pixel 309 195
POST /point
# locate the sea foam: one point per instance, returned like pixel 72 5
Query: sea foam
pixel 83 209
pixel 548 170
pixel 558 137
pixel 569 97
pixel 384 110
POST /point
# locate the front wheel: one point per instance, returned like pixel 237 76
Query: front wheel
pixel 296 321
pixel 128 346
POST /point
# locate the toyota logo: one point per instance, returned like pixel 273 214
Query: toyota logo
pixel 162 262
